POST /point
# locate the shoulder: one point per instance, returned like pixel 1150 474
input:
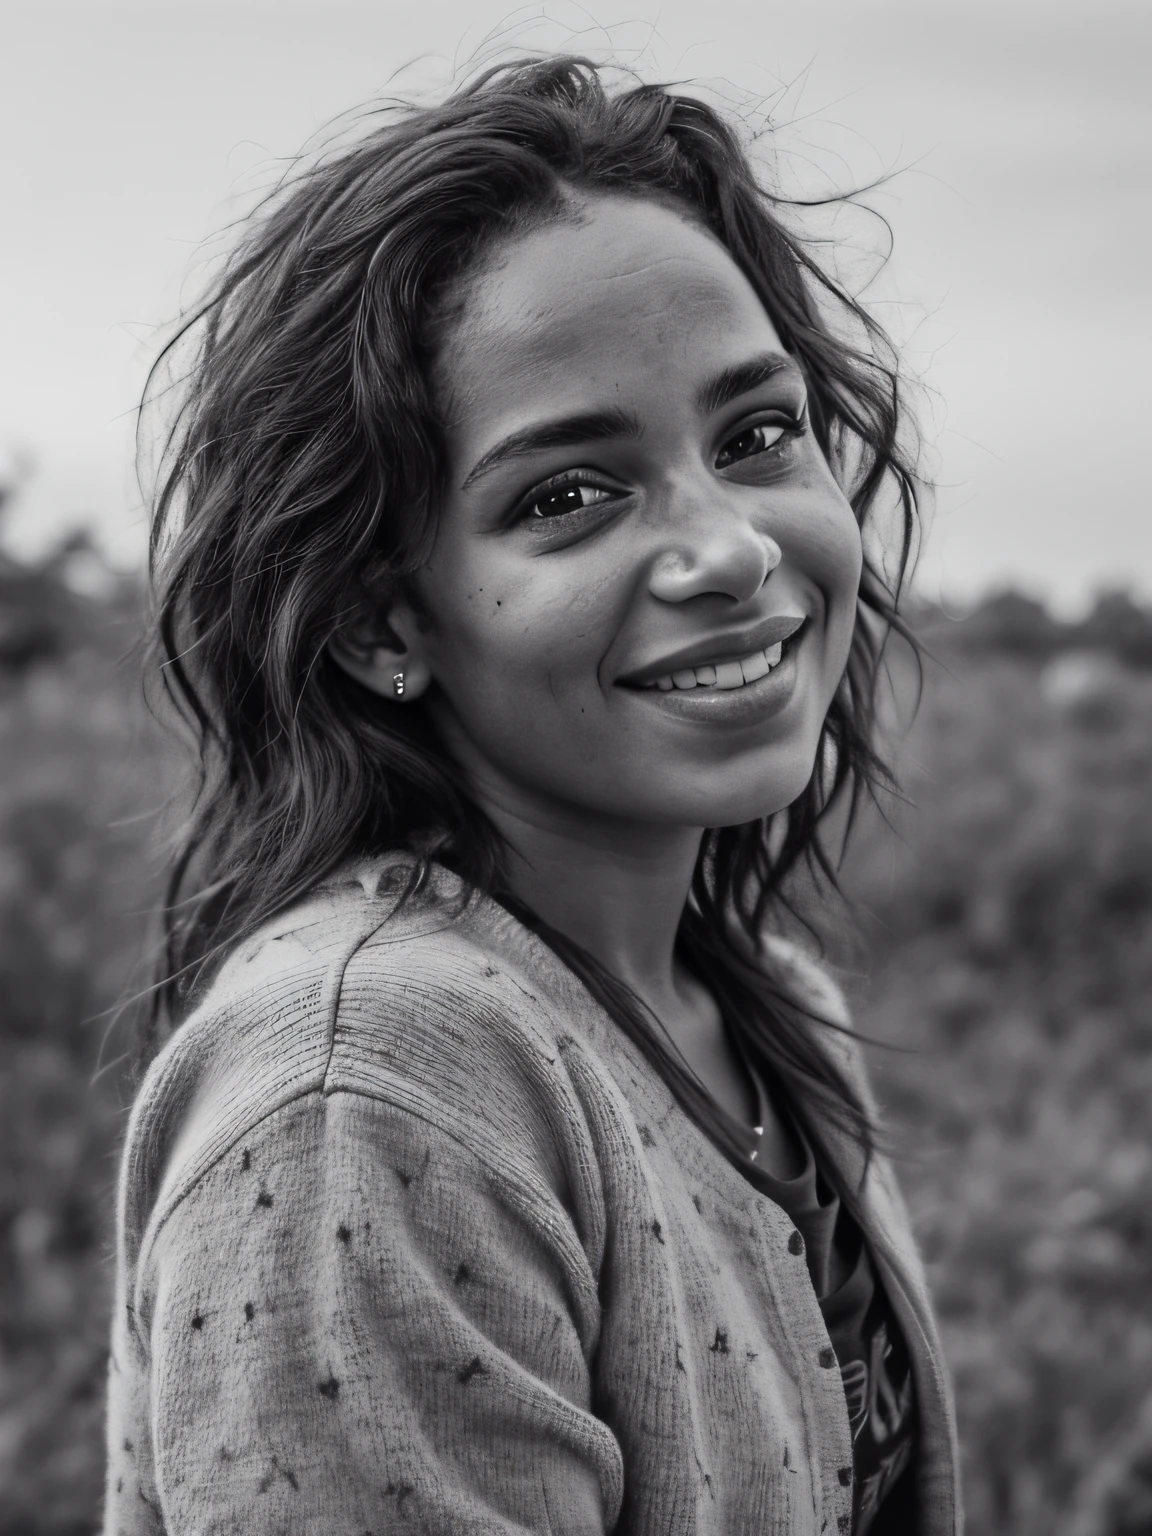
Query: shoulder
pixel 377 959
pixel 414 997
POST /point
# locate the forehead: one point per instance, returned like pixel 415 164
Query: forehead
pixel 626 298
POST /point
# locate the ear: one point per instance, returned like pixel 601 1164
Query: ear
pixel 377 654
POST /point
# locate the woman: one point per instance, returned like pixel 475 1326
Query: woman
pixel 509 1173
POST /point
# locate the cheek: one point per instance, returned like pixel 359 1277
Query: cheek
pixel 825 545
pixel 840 556
pixel 506 630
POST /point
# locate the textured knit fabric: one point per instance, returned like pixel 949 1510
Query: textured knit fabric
pixel 412 1238
pixel 869 1349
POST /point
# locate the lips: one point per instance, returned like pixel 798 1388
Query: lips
pixel 725 654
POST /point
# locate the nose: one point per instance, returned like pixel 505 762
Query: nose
pixel 713 549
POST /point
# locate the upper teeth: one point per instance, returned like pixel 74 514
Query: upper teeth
pixel 729 674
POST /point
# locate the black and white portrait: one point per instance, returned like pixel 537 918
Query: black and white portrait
pixel 575 834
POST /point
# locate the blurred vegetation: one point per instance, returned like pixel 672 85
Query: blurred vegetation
pixel 81 769
pixel 1010 932
pixel 1010 935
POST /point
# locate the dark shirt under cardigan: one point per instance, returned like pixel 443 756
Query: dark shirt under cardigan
pixel 869 1347
pixel 411 1237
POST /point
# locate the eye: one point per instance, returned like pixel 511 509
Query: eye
pixel 761 438
pixel 572 496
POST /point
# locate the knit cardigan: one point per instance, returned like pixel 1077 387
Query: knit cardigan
pixel 412 1238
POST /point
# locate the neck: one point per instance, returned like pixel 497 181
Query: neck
pixel 617 889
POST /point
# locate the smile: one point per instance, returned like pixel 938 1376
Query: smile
pixel 744 693
pixel 722 662
pixel 725 675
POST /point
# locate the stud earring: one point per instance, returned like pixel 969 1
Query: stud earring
pixel 398 684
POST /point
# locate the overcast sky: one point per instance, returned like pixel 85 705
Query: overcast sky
pixel 1021 131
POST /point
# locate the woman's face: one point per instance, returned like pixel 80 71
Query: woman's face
pixel 643 586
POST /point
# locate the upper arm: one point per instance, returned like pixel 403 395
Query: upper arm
pixel 352 1325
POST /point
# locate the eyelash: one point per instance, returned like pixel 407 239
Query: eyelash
pixel 794 427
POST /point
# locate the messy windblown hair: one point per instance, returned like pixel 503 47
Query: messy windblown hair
pixel 299 493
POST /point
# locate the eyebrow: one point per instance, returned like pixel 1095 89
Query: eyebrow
pixel 599 426
pixel 565 432
pixel 741 378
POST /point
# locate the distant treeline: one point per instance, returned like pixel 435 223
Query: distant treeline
pixel 51 605
pixel 68 600
pixel 1012 623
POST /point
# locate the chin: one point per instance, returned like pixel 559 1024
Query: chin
pixel 763 789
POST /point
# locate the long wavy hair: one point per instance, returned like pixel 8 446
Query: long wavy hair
pixel 299 489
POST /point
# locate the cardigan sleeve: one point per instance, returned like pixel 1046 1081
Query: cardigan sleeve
pixel 351 1324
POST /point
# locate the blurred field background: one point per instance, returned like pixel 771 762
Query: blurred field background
pixel 1009 927
pixel 1006 919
